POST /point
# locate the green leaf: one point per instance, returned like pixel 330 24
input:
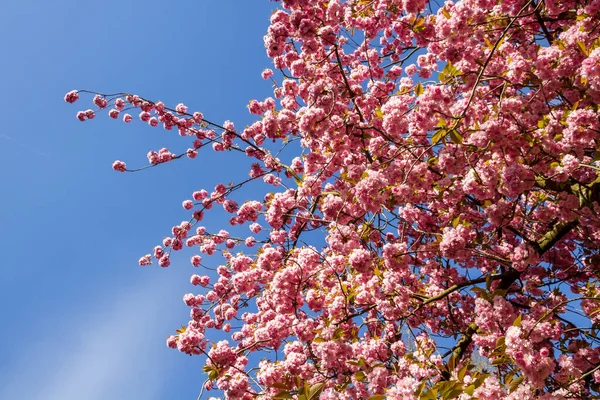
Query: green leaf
pixel 488 44
pixel 451 70
pixel 509 377
pixel 582 47
pixel 499 361
pixel 283 394
pixel 454 393
pixel 430 395
pixel 517 321
pixel 447 389
pixel 463 372
pixel 377 272
pixel 419 24
pixel 501 341
pixel 362 364
pixel 419 89
pixel 360 376
pixel 280 385
pixel 456 136
pixel 515 384
pixel 212 371
pixel 338 333
pixel 451 363
pixel 437 136
pixel 455 221
pixel 480 379
pixel 575 105
pixel 420 388
pixel 481 292
pixel 315 390
pixel 470 390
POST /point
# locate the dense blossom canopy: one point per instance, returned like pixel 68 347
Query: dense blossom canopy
pixel 437 233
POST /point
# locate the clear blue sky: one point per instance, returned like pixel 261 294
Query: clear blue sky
pixel 80 319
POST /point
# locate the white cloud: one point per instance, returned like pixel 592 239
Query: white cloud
pixel 110 354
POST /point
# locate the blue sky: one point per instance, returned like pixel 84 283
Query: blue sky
pixel 80 319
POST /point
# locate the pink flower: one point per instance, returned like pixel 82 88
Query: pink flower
pixel 255 227
pixel 570 163
pixel 165 155
pixel 188 204
pixel 195 280
pixel 145 116
pixel 204 280
pixel 164 261
pixel 119 166
pixel 191 153
pixel 198 117
pixel 230 206
pixel 181 109
pixel 127 118
pixel 119 104
pixel 114 114
pixel 200 195
pixel 198 215
pixel 153 157
pixel 145 260
pixel 196 260
pixel 72 96
pixel 172 342
pixel 100 101
pixel 267 73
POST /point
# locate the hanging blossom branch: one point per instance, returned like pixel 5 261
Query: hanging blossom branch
pixel 440 206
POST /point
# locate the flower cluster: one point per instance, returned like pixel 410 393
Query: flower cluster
pixel 439 215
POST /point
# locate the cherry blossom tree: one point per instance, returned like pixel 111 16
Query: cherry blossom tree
pixel 427 195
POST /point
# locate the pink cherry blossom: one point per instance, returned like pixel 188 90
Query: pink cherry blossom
pixel 119 166
pixel 72 96
pixel 100 101
pixel 422 190
pixel 114 114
